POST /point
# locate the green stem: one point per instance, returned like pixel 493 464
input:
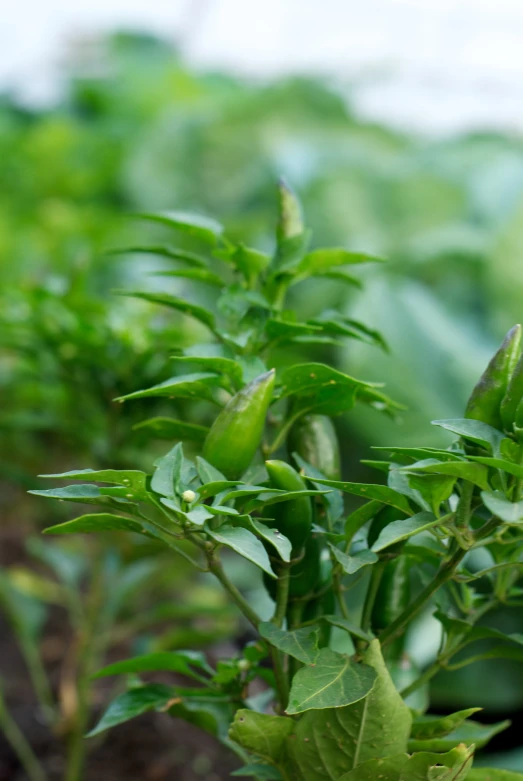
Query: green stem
pixel 444 574
pixel 372 592
pixel 463 508
pixel 427 676
pixel 282 595
pixel 16 739
pixel 216 568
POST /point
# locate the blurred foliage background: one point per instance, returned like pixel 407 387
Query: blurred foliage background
pixel 137 130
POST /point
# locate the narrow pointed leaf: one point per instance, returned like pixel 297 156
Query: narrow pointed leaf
pixel 170 428
pixel 380 493
pixel 187 386
pixel 180 304
pixel 154 696
pixel 191 258
pixel 197 225
pixel 183 662
pixel 402 530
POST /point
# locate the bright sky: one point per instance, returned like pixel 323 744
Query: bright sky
pixel 439 65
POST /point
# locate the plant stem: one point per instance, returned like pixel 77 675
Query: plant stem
pixel 16 739
pixel 338 591
pixel 282 595
pixel 216 568
pixel 463 508
pixel 372 592
pixel 444 574
pixel 427 675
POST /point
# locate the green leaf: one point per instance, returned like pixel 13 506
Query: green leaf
pixel 182 662
pixel 262 735
pixel 425 727
pixel 468 732
pixel 187 386
pixel 208 473
pixel 434 488
pixel 196 274
pixel 380 493
pixel 353 629
pixel 453 766
pixel 216 364
pixel 474 473
pixel 191 258
pixel 359 517
pixel 261 772
pixel 180 304
pixel 499 505
pixel 333 681
pixel 331 742
pixel 243 542
pixel 132 479
pixel 386 769
pixel 301 644
pixel 419 453
pixel 273 536
pixel 302 379
pixel 250 262
pixel 402 530
pixel 475 431
pixel 170 428
pixel 153 696
pixel 215 487
pixel 351 564
pixel 269 497
pixel 197 225
pixel 166 479
pixel 499 463
pixel 101 522
pixel 319 261
pixel 85 494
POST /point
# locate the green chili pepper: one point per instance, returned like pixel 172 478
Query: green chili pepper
pixel 382 518
pixel 391 600
pixel 306 572
pixel 236 433
pixel 292 518
pixel 486 398
pixel 313 437
pixel 513 397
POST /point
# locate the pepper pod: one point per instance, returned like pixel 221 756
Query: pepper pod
pixel 313 438
pixel 485 402
pixel 237 432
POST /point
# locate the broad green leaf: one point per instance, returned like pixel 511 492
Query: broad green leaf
pixel 218 509
pixel 425 727
pixel 273 536
pixel 186 386
pixel 197 516
pixel 208 473
pixel 453 766
pixel 469 732
pixel 216 364
pixel 132 479
pixel 243 542
pixel 493 774
pixel 319 261
pixel 332 681
pixel 191 258
pixel 475 431
pixel 182 662
pixel 499 505
pixel 402 530
pixel 289 329
pixel 380 493
pixel 166 479
pixel 301 644
pixel 434 488
pixel 153 696
pixel 250 262
pixel 197 225
pixel 331 742
pixel 206 709
pixel 351 564
pixel 196 274
pixel 342 276
pixel 180 304
pixel 399 481
pixel 170 428
pixel 474 473
pixel 262 735
pixel 386 769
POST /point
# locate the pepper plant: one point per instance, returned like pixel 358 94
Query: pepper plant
pixel 301 701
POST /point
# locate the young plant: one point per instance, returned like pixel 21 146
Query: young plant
pixel 266 485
